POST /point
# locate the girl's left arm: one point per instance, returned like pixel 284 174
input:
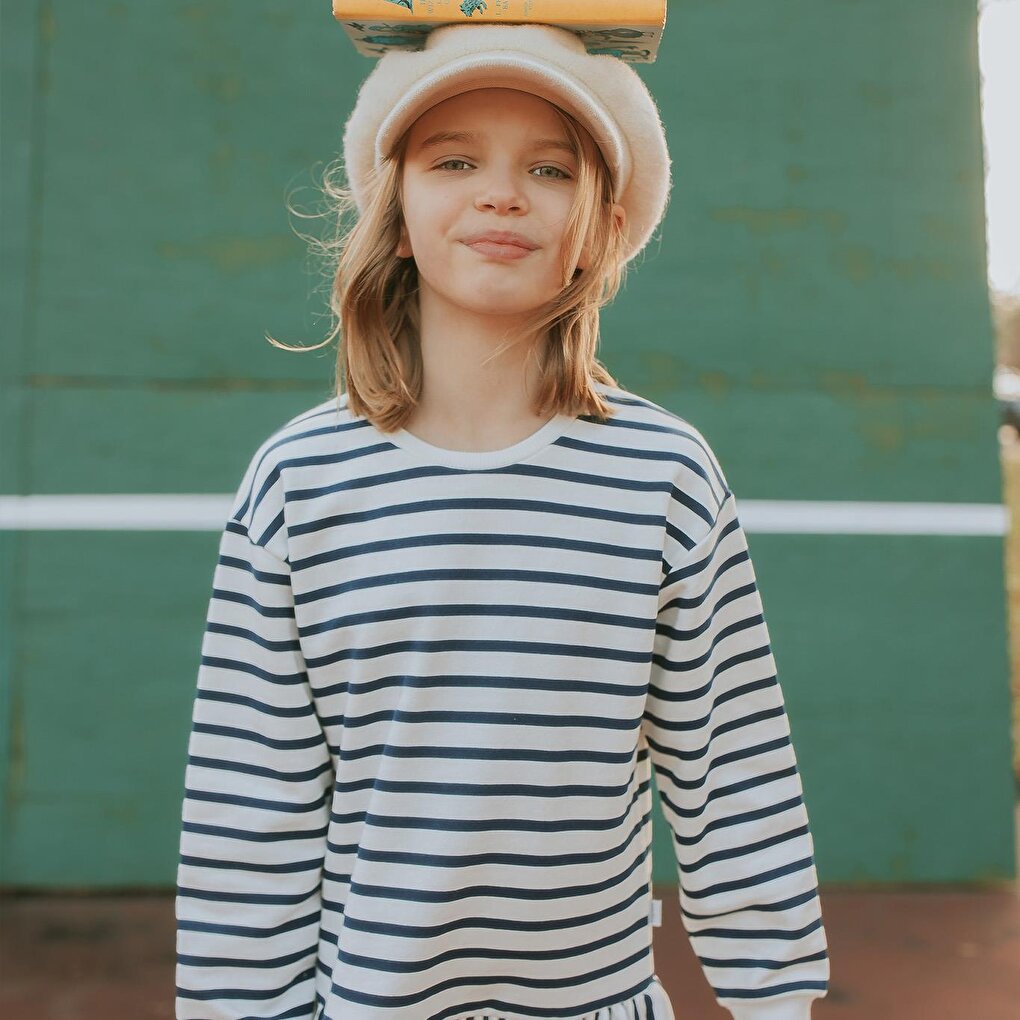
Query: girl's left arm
pixel 727 774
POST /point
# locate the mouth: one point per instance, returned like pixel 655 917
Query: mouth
pixel 498 250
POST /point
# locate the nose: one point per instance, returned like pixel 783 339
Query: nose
pixel 499 187
pixel 501 195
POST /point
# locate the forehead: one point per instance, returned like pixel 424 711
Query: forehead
pixel 490 111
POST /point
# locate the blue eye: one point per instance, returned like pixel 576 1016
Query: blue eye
pixel 564 175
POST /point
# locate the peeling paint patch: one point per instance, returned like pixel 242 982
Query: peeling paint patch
pixel 16 763
pixel 887 436
pixel 939 228
pixel 860 263
pixel 232 254
pixel 668 370
pixel 856 261
pixel 222 86
pixel 920 265
pixel 841 384
pixel 769 221
pixel 48 23
pixel 213 384
pixel 877 96
pixel 716 384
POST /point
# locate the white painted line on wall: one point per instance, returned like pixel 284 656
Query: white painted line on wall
pixel 199 512
pixel 804 517
pixel 115 512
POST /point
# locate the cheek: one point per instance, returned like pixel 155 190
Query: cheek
pixel 431 217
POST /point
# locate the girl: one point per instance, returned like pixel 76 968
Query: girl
pixel 462 610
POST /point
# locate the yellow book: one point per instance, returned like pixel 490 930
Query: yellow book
pixel 628 29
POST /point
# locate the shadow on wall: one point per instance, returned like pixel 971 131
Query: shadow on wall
pixel 1006 384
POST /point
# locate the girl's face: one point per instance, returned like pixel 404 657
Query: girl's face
pixel 499 179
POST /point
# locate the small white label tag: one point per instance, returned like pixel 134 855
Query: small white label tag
pixel 655 914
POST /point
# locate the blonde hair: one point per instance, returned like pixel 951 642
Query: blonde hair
pixel 372 295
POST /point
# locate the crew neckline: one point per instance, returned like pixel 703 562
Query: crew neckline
pixel 529 445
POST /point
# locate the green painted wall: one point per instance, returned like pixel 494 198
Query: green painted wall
pixel 816 304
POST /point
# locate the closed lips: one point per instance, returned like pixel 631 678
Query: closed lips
pixel 502 238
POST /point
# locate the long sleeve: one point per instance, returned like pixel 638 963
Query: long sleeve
pixel 258 781
pixel 719 739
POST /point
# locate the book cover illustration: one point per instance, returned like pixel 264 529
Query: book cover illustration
pixel 627 29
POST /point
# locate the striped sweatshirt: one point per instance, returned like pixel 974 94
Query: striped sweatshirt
pixel 434 688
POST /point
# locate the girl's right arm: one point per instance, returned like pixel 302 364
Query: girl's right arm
pixel 258 786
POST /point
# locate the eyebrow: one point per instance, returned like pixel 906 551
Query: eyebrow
pixel 469 136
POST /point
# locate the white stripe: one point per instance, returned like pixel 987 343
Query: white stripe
pixel 197 512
